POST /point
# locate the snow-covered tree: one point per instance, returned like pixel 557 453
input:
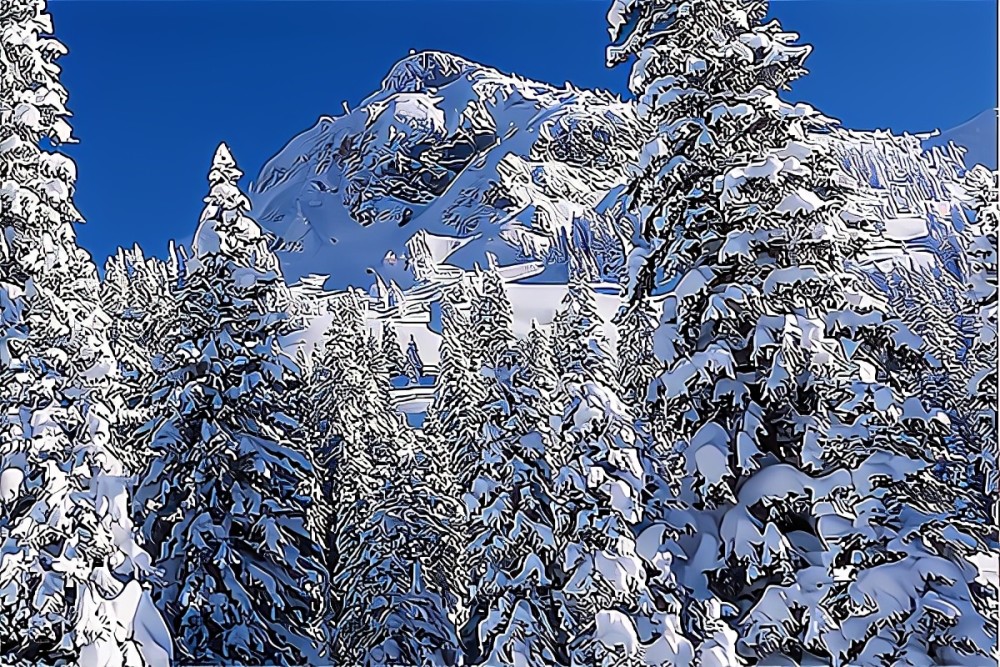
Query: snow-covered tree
pixel 617 595
pixel 414 362
pixel 456 417
pixel 392 352
pixel 138 294
pixel 70 568
pixel 577 334
pixel 395 605
pixel 387 534
pixel 492 318
pixel 223 495
pixel 983 187
pixel 350 414
pixel 514 616
pixel 637 365
pixel 810 502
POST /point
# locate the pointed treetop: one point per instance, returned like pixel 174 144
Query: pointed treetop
pixel 224 225
pixel 223 156
pixel 224 169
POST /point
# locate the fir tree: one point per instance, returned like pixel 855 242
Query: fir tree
pixel 637 365
pixel 414 362
pixel 514 615
pixel 350 408
pixel 396 607
pixel 788 392
pixel 385 531
pixel 981 390
pixel 69 566
pixel 492 318
pixel 392 352
pixel 137 293
pixel 456 418
pixel 223 496
pixel 579 342
pixel 616 592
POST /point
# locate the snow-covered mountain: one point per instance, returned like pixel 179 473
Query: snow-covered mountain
pixel 978 136
pixel 521 170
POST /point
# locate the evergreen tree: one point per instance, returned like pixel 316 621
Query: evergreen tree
pixel 350 411
pixel 69 567
pixel 788 393
pixel 983 188
pixel 456 418
pixel 392 352
pixel 578 338
pixel 514 616
pixel 223 496
pixel 137 294
pixel 637 365
pixel 414 362
pixel 386 532
pixel 492 318
pixel 396 607
pixel 616 591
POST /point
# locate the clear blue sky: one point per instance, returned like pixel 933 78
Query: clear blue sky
pixel 155 85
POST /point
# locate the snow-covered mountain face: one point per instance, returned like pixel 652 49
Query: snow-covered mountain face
pixel 527 171
pixel 978 136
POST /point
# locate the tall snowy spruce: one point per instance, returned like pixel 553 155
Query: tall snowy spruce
pixel 395 605
pixel 513 617
pixel 810 512
pixel 637 365
pixel 492 318
pixel 456 418
pixel 392 352
pixel 222 497
pixel 355 433
pixel 983 187
pixel 617 593
pixel 70 570
pixel 387 534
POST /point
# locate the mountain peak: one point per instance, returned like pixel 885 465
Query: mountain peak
pixel 427 69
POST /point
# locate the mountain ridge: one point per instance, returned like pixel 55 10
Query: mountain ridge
pixel 450 147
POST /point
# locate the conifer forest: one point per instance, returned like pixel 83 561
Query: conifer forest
pixel 697 378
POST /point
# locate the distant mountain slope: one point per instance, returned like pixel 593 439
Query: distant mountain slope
pixel 453 148
pixel 978 136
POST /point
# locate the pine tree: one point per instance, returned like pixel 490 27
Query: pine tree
pixel 616 592
pixel 456 417
pixel 392 352
pixel 137 294
pixel 414 362
pixel 579 342
pixel 350 409
pixel 492 318
pixel 788 392
pixel 983 187
pixel 386 532
pixel 70 569
pixel 223 496
pixel 514 617
pixel 637 365
pixel 396 607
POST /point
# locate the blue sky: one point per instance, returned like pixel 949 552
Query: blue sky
pixel 155 85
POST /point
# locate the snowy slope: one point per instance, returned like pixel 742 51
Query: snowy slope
pixel 459 149
pixel 978 136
